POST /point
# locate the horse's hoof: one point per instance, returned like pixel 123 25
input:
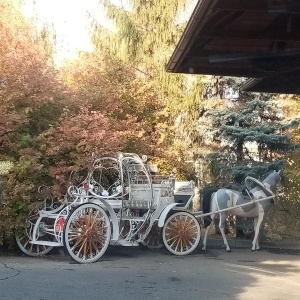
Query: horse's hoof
pixel 228 250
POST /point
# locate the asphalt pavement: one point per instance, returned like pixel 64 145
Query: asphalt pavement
pixel 138 273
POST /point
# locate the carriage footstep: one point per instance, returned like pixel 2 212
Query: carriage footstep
pixel 126 243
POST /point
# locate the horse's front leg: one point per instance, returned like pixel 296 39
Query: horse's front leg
pixel 258 221
pixel 222 229
pixel 257 240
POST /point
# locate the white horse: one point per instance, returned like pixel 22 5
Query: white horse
pixel 225 201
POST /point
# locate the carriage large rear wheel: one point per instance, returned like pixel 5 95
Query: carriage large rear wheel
pixel 181 233
pixel 87 233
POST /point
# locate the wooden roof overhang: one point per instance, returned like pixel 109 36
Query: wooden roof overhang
pixel 257 39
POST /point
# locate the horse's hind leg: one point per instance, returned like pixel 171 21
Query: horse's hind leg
pixel 205 238
pixel 222 229
pixel 206 233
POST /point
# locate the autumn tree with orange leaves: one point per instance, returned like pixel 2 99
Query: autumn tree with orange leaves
pixel 52 122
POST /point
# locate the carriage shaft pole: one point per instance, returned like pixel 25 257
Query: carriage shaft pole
pixel 199 213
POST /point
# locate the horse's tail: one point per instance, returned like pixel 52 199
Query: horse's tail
pixel 207 196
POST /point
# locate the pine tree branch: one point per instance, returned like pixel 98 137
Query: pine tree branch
pixel 141 71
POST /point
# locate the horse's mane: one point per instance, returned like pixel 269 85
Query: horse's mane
pixel 206 197
pixel 207 193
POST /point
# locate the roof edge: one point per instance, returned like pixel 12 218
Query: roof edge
pixel 192 27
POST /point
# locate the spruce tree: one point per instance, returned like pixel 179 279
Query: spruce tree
pixel 251 136
pixel 236 134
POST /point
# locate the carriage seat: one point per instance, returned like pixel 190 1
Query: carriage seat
pixel 144 196
pixel 184 192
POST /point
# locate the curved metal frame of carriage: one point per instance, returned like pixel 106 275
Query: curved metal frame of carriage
pixel 118 203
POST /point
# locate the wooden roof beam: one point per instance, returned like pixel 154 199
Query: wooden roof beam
pixel 251 35
pixel 271 6
pixel 196 65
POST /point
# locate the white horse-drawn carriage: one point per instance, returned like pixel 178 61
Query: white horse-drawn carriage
pixel 120 202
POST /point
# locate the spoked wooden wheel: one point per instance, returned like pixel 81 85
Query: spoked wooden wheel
pixel 181 233
pixel 87 233
pixel 25 237
pixel 154 238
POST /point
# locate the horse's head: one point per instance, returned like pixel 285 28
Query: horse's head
pixel 273 181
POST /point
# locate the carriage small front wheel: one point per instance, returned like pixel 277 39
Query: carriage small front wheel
pixel 181 233
pixel 87 233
